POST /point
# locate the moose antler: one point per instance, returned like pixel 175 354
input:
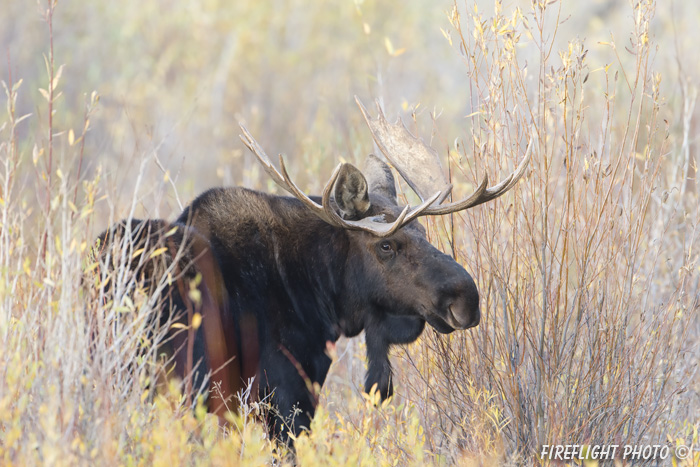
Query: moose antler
pixel 325 210
pixel 416 162
pixel 419 165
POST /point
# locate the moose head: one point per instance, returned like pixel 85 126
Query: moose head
pixel 401 272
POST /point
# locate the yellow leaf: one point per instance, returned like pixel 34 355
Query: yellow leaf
pixel 447 35
pixel 137 252
pixel 59 245
pixel 85 213
pixel 104 283
pixel 57 77
pixel 196 320
pixel 195 295
pixel 158 252
pixel 71 137
pixel 389 46
pixel 36 154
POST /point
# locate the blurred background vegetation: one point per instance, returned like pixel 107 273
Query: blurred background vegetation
pixel 179 76
pixel 605 87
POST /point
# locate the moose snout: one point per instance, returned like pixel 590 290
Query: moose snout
pixel 462 306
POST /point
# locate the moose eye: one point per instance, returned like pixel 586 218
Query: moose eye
pixel 385 246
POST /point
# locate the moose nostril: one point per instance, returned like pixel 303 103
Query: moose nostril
pixel 460 313
pixel 463 309
pixel 458 316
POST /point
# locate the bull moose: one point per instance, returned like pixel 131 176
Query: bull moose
pixel 281 277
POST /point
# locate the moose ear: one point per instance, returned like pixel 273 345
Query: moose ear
pixel 380 178
pixel 351 192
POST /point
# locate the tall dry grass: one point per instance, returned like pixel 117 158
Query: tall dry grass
pixel 588 275
pixel 588 271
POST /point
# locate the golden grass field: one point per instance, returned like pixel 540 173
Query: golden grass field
pixel 588 269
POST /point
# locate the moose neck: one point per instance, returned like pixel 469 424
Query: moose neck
pixel 278 252
pixel 310 257
pixel 332 268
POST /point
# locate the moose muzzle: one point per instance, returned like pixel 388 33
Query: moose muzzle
pixel 459 301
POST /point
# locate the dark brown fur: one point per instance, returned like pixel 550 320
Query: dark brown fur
pixel 282 283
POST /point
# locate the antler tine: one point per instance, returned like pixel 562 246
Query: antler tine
pixel 483 194
pixel 259 152
pixel 383 229
pixel 425 206
pixel 284 180
pixel 323 210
